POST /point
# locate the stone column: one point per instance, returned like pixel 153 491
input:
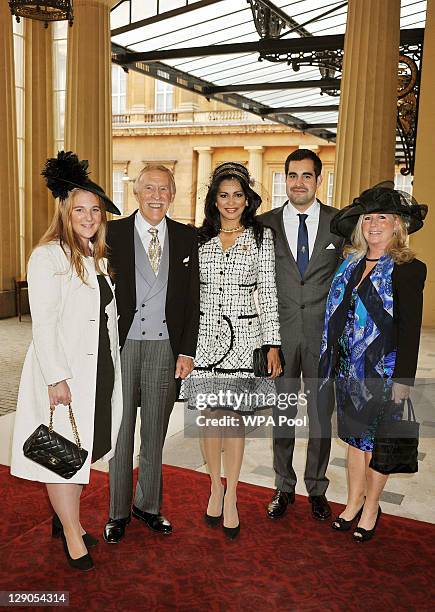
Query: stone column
pixel 39 139
pixel 367 119
pixel 9 196
pixel 88 115
pixel 136 92
pixel 203 180
pixel 255 166
pixel 422 241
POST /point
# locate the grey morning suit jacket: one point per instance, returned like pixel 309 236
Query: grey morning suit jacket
pixel 301 302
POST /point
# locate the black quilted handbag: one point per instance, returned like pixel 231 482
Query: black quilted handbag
pixel 53 451
pixel 395 450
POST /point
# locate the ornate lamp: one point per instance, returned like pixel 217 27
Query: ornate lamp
pixel 43 10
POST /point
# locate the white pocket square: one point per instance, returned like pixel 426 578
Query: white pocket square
pixel 186 260
pixel 330 246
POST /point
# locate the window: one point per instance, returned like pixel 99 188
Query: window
pixel 279 194
pixel 118 190
pixel 119 90
pixel 403 182
pixel 60 29
pixel 330 188
pixel 163 97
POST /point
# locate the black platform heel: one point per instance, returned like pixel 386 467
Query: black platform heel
pixel 343 524
pixel 57 531
pixel 366 534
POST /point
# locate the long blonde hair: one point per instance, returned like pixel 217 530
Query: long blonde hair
pixel 398 247
pixel 61 230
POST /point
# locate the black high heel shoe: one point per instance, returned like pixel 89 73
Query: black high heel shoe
pixel 83 563
pixel 213 521
pixel 57 530
pixel 366 534
pixel 341 524
pixel 232 532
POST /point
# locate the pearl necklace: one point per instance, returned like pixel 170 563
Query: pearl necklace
pixel 231 231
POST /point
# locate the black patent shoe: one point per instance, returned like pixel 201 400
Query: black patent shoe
pixel 320 509
pixel 114 530
pixel 231 532
pixel 84 563
pixel 279 502
pixel 341 524
pixel 213 521
pixel 156 522
pixel 57 530
pixel 363 535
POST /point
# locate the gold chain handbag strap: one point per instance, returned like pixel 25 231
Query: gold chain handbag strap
pixel 71 420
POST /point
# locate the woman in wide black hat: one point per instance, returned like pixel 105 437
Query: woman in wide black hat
pixel 371 335
pixel 74 356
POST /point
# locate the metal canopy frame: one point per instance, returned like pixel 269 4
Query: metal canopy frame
pixel 321 52
pixel 185 80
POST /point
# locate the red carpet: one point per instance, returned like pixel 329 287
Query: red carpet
pixel 293 564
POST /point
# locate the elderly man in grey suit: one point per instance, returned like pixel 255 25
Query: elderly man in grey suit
pixel 307 255
pixel 155 264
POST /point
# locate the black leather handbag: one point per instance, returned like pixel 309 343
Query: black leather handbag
pixel 395 450
pixel 259 361
pixel 53 451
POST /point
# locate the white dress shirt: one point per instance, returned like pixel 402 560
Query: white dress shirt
pixel 291 226
pixel 142 226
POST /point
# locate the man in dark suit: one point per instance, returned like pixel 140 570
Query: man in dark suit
pixel 307 255
pixel 155 266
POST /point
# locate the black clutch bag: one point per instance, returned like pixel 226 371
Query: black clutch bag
pixel 53 451
pixel 259 361
pixel 395 450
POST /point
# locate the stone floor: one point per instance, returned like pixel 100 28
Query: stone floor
pixel 410 496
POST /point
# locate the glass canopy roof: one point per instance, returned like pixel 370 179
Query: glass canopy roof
pixel 167 25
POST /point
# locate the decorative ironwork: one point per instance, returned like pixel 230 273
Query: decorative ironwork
pixel 267 22
pixel 407 104
pixel 43 10
pixel 270 20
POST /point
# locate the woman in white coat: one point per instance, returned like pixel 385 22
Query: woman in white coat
pixel 74 355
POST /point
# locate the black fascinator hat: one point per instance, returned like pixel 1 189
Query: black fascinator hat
pixel 380 198
pixel 66 172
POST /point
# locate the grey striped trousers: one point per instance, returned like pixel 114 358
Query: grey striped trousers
pixel 148 381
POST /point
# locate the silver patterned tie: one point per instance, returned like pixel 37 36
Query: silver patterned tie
pixel 154 250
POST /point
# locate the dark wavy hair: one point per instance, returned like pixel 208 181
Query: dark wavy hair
pixel 211 224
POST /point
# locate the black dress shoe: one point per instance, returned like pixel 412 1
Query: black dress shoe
pixel 279 502
pixel 84 563
pixel 57 530
pixel 320 508
pixel 156 522
pixel 114 530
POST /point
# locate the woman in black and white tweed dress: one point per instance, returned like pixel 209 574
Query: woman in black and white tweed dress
pixel 237 264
